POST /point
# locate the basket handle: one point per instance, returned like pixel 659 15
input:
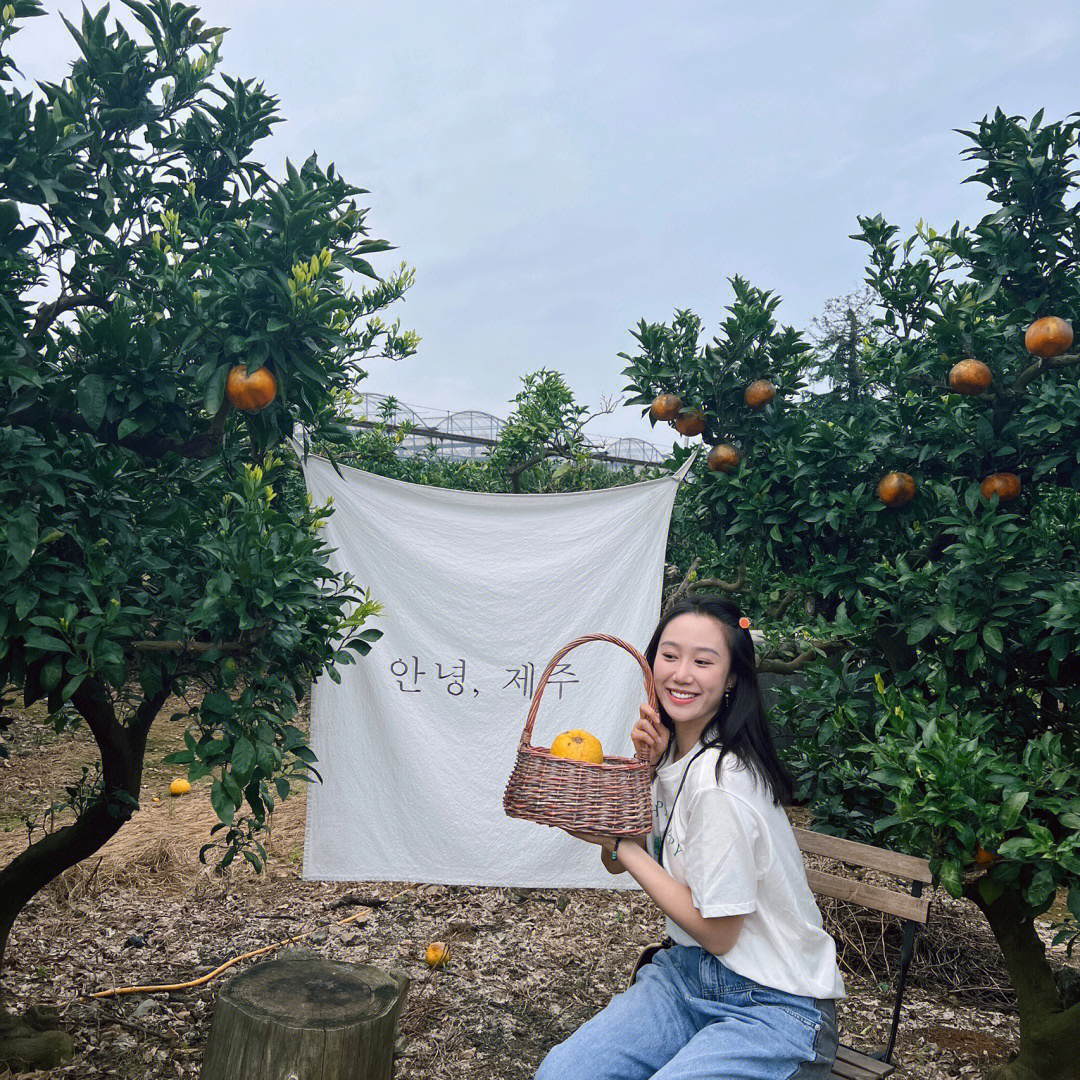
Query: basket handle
pixel 650 689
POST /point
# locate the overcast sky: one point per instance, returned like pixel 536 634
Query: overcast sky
pixel 555 172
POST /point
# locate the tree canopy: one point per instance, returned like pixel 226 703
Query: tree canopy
pixel 149 547
pixel 938 640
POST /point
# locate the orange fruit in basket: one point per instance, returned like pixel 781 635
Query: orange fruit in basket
pixel 578 746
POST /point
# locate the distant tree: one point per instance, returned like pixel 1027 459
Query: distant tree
pixel 840 334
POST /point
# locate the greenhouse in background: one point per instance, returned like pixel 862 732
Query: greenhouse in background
pixel 471 433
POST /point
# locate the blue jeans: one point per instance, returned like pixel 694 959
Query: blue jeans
pixel 687 1017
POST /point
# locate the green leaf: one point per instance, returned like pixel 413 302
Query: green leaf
pixel 991 635
pixel 1011 808
pixel 243 760
pixel 951 878
pixel 126 427
pixel 91 399
pixel 1013 582
pixel 22 535
pixel 214 394
pixel 946 618
pixel 223 806
pixel 265 758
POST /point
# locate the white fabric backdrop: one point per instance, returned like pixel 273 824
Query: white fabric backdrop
pixel 414 749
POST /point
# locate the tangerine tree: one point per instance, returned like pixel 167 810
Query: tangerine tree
pixel 147 545
pixel 936 624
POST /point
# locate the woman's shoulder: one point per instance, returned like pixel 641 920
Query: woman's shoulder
pixel 736 778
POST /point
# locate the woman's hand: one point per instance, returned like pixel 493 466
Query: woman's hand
pixel 649 736
pixel 606 842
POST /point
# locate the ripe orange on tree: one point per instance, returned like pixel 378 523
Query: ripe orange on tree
pixel 896 489
pixel 691 422
pixel 970 377
pixel 1005 485
pixel 665 407
pixel 723 458
pixel 1048 337
pixel 250 392
pixel 759 393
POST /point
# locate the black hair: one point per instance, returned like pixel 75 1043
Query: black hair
pixel 741 725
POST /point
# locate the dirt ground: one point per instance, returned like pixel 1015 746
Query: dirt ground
pixel 526 966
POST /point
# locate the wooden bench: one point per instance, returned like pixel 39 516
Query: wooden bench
pixel 851 1064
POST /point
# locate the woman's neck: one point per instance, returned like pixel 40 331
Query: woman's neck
pixel 687 737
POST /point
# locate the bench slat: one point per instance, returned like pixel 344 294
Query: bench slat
pixel 851 1065
pixel 875 858
pixel 871 896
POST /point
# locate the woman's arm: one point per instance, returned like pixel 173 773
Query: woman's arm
pixel 717 935
pixel 617 866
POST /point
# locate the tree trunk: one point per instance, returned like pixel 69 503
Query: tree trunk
pixel 305 1017
pixel 1049 1033
pixel 122 747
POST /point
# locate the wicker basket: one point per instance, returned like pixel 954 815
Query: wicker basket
pixel 612 798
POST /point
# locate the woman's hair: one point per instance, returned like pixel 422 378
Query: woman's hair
pixel 741 725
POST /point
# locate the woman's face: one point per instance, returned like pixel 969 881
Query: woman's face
pixel 691 669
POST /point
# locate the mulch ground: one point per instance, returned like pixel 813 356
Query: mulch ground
pixel 526 966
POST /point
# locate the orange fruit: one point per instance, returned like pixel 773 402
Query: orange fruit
pixel 723 458
pixel 1005 485
pixel 691 422
pixel 665 407
pixel 896 489
pixel 179 786
pixel 250 392
pixel 1048 337
pixel 438 952
pixel 759 393
pixel 578 745
pixel 969 377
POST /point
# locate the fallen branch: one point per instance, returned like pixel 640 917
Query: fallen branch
pixel 169 987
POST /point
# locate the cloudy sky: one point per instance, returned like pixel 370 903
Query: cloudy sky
pixel 555 172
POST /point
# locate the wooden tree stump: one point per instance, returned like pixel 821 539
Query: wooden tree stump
pixel 305 1018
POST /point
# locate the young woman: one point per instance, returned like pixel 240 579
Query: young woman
pixel 747 985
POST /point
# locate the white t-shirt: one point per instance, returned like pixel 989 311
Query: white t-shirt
pixel 735 849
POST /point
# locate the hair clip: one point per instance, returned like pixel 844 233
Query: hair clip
pixel 744 622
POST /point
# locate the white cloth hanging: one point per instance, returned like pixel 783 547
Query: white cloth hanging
pixel 416 743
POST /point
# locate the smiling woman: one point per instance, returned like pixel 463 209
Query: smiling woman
pixel 745 938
